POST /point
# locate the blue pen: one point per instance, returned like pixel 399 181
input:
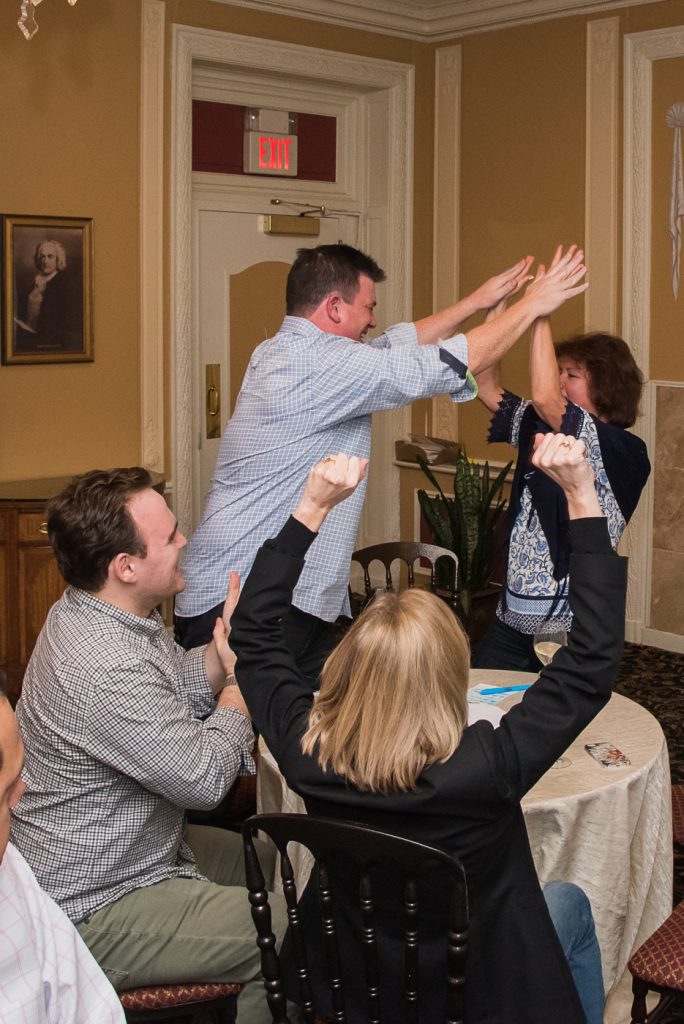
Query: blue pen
pixel 504 689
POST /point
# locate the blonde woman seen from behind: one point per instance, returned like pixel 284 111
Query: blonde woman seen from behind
pixel 387 743
pixel 369 722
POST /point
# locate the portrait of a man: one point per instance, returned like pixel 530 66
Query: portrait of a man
pixel 46 290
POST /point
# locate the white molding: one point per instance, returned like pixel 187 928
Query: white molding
pixel 431 22
pixel 446 216
pixel 601 181
pixel 637 541
pixel 181 276
pixel 152 235
pixel 246 56
pixel 666 641
pixel 641 49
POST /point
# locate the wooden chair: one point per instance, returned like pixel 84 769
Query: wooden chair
pixel 409 552
pixel 658 966
pixel 367 849
pixel 179 1003
pixel 678 813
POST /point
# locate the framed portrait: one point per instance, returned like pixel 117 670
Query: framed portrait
pixel 47 289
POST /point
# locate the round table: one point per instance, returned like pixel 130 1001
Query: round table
pixel 609 830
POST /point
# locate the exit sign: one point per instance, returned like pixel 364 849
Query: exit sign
pixel 271 154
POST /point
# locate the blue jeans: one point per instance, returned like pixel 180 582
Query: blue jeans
pixel 573 920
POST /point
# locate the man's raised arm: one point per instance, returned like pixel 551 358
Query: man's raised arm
pixel 446 322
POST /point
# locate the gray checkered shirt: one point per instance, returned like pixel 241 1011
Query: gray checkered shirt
pixel 121 734
pixel 306 394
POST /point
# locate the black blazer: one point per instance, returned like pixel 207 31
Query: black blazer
pixel 470 804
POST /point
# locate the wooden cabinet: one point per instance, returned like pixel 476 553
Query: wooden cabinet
pixel 30 582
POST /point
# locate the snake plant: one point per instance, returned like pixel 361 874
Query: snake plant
pixel 466 522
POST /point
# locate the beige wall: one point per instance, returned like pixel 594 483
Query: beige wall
pixel 69 116
pixel 522 169
pixel 522 175
pixel 69 108
pixel 523 185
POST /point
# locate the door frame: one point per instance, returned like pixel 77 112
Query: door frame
pixel 243 55
pixel 205 201
pixel 641 50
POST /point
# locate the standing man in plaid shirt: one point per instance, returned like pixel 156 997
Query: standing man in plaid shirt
pixel 123 729
pixel 310 391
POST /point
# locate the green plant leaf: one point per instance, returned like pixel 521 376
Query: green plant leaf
pixel 438 522
pixel 465 524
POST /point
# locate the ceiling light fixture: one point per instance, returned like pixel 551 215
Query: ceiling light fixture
pixel 27 23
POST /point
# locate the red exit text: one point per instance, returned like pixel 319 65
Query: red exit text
pixel 274 153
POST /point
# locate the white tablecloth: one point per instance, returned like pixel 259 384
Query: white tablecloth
pixel 609 830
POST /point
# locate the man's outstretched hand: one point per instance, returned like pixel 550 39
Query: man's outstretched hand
pixel 561 281
pixel 504 286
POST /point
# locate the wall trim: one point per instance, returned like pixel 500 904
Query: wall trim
pixel 666 641
pixel 601 174
pixel 447 208
pixel 431 22
pixel 152 235
pixel 641 49
pixel 242 53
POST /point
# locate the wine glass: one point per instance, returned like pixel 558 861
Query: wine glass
pixel 562 762
pixel 547 642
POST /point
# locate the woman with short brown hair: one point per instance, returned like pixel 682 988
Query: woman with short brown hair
pixel 587 387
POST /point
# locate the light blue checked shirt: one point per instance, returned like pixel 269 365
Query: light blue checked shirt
pixel 306 394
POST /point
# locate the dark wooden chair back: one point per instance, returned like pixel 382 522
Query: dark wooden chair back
pixel 409 552
pixel 368 849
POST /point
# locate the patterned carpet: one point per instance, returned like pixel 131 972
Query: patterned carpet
pixel 655 679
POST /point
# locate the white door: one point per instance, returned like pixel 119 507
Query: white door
pixel 239 302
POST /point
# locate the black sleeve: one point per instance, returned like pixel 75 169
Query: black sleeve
pixel 294 539
pixel 277 697
pixel 579 681
pixel 590 536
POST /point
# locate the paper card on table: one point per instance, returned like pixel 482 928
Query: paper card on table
pixel 476 696
pixel 607 754
pixel 485 712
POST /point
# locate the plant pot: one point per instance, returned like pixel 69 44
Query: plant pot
pixel 482 611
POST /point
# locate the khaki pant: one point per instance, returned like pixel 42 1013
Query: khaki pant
pixel 183 929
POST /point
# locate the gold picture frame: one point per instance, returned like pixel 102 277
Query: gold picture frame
pixel 47 286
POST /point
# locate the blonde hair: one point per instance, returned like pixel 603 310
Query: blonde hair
pixel 393 693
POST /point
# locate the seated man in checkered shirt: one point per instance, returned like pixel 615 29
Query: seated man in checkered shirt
pixel 123 729
pixel 311 390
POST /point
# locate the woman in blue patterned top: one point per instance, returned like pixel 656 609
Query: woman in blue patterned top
pixel 588 387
